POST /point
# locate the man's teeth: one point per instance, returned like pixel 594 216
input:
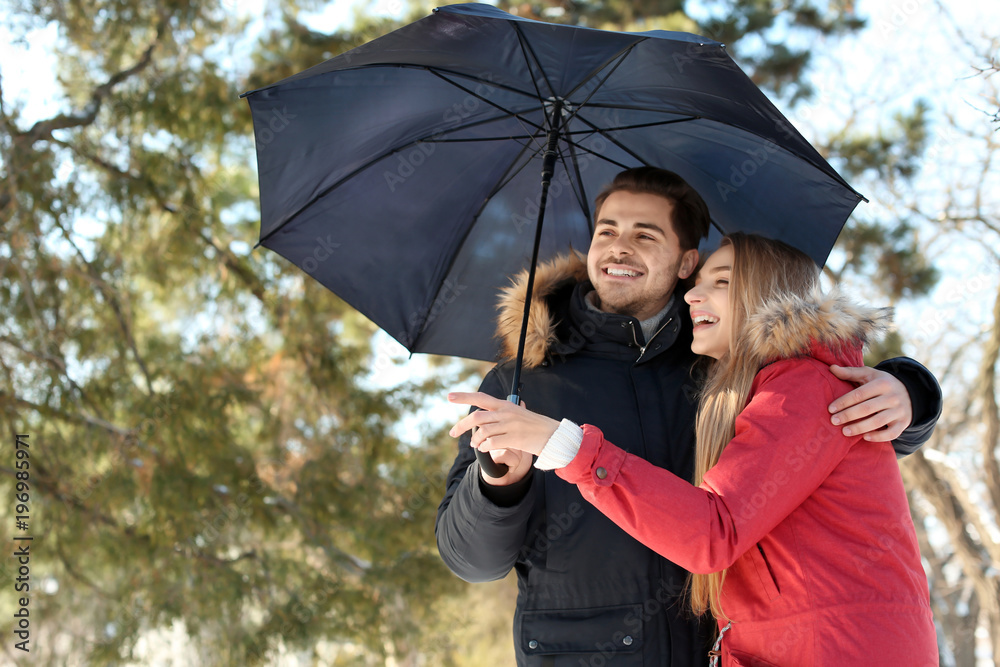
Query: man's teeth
pixel 705 319
pixel 623 272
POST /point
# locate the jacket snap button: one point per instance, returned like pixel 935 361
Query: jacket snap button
pixel 532 644
pixel 601 473
pixel 627 641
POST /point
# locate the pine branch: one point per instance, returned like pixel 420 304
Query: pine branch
pixel 43 129
pixel 230 261
pixel 114 302
pixel 226 257
pixel 58 363
pixel 96 159
pixel 73 572
pixel 127 435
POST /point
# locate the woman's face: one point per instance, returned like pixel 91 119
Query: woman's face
pixel 709 301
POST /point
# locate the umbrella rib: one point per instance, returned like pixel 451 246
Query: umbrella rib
pixel 829 171
pixel 620 165
pixel 510 113
pixel 598 155
pixel 610 138
pixel 430 138
pixel 478 139
pixel 621 58
pixel 637 126
pixel 501 183
pixel 527 51
pixel 427 138
pixel 431 68
pixel 581 196
pixel 630 152
pixel 437 136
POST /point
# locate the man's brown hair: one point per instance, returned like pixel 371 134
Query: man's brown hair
pixel 690 219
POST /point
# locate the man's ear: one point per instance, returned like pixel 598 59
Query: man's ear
pixel 689 261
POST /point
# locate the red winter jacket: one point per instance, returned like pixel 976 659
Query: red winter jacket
pixel 815 529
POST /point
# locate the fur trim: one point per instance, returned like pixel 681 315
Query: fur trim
pixel 541 332
pixel 787 326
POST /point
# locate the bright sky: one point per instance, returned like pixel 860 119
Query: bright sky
pixel 28 66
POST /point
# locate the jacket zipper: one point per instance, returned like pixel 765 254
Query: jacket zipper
pixel 642 348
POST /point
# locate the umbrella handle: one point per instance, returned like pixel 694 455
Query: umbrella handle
pixel 489 466
pixel 486 462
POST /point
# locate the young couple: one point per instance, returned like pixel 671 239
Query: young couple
pixel 796 530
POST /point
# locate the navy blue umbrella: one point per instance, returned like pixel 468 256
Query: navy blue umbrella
pixel 411 174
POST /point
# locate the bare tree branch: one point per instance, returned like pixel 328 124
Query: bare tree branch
pixel 128 436
pixel 230 261
pixel 970 511
pixel 43 129
pixel 991 415
pixel 919 473
pixel 114 302
pixel 226 256
pixel 96 159
pixel 59 364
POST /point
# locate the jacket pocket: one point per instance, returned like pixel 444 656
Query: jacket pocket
pixel 758 563
pixel 563 532
pixel 614 633
pixel 741 659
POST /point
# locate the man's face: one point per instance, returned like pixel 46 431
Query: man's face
pixel 635 258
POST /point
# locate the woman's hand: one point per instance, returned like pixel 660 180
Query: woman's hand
pixel 501 425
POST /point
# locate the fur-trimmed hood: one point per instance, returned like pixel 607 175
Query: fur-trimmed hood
pixel 827 326
pixel 559 272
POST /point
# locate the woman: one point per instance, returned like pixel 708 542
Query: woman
pixel 799 538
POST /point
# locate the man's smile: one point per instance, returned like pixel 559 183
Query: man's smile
pixel 621 271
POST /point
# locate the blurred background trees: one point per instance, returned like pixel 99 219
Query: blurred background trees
pixel 231 466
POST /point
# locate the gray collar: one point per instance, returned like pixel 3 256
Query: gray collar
pixel 648 326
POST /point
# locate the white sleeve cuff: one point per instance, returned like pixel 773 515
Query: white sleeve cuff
pixel 561 448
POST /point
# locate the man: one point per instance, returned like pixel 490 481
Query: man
pixel 609 345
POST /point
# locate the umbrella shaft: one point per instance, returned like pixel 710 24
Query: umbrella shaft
pixel 548 168
pixel 492 468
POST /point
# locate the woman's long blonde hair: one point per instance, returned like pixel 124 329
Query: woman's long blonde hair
pixel 763 270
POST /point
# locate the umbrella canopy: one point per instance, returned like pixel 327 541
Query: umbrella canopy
pixel 404 174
